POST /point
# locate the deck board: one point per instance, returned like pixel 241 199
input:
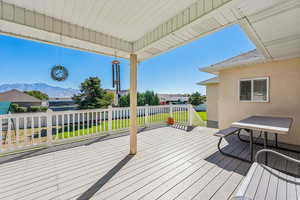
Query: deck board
pixel 170 164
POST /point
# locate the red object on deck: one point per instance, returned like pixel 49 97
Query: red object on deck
pixel 171 121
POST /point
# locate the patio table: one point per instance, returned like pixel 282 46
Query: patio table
pixel 266 125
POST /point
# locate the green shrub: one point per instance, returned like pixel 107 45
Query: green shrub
pixel 35 109
pixel 21 109
pixel 44 108
pixel 14 107
pixel 38 108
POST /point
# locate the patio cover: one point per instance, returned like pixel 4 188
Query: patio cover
pixel 142 29
pixel 149 28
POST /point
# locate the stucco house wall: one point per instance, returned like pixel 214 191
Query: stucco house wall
pixel 212 91
pixel 284 91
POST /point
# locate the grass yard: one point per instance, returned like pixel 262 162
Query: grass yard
pixel 202 115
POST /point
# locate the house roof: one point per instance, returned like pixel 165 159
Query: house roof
pixel 209 81
pixel 251 57
pixel 17 96
pixel 173 97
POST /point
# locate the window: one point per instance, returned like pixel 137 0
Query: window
pixel 245 90
pixel 254 90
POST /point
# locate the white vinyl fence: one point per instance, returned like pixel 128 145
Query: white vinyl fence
pixel 28 130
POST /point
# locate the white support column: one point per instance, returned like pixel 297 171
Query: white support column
pixel 133 104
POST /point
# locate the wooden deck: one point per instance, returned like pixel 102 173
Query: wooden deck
pixel 170 164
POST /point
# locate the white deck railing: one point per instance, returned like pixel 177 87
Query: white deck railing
pixel 29 130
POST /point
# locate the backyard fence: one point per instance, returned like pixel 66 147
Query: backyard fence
pixel 28 130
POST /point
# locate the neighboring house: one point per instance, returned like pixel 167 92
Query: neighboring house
pixel 173 98
pixel 20 98
pixel 249 84
pixel 62 104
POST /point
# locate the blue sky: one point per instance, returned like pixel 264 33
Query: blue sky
pixel 24 61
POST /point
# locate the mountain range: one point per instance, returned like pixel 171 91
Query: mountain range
pixel 52 91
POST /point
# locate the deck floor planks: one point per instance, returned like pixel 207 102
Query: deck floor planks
pixel 209 175
pixel 174 187
pixel 262 188
pixel 163 160
pixel 66 166
pixel 150 172
pixel 173 175
pixel 221 178
pixel 227 184
pixel 170 164
pixel 282 184
pixel 232 182
pixel 291 188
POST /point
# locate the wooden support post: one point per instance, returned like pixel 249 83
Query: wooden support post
pixel 133 104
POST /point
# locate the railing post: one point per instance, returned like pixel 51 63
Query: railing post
pixel 49 126
pixel 110 118
pixel 8 134
pixel 171 109
pixel 190 115
pixel 147 115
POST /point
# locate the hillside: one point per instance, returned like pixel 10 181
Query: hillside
pixel 52 91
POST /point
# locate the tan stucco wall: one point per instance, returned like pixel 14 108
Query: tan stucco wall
pixel 212 91
pixel 284 94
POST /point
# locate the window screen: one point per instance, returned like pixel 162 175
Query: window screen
pixel 245 90
pixel 260 90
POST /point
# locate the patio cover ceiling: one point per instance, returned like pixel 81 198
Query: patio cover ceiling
pixel 149 28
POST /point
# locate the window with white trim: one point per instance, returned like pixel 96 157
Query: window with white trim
pixel 254 90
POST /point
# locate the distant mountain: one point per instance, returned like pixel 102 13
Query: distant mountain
pixel 52 91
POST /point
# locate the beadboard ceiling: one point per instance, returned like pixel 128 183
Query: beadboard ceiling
pixel 149 28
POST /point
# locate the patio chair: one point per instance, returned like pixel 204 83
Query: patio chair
pixel 289 184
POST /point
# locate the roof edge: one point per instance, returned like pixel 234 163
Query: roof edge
pixel 248 58
pixel 214 80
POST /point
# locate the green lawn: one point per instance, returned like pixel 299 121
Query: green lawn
pixel 202 115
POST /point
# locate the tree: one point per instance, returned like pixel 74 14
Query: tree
pixel 92 95
pixel 37 94
pixel 141 99
pixel 147 97
pixel 196 99
pixel 156 100
pixel 124 101
pixel 151 98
